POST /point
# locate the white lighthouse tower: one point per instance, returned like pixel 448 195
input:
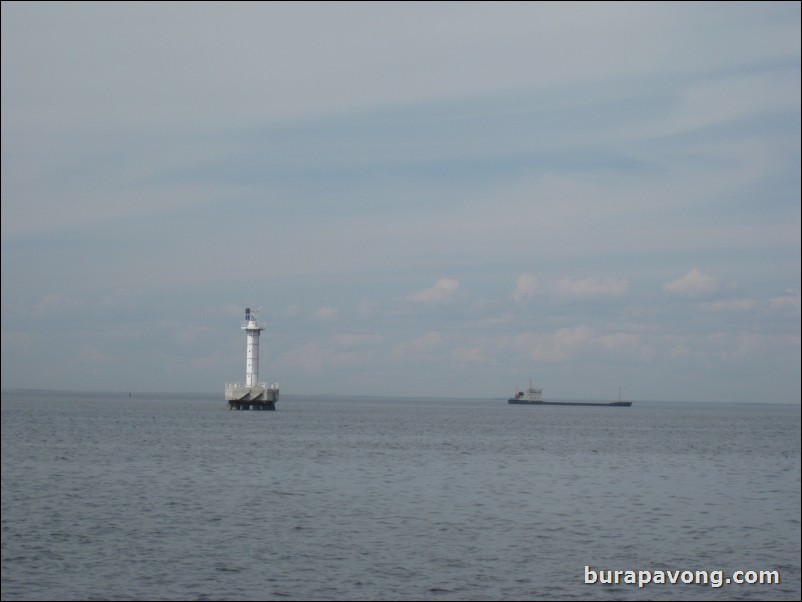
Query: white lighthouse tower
pixel 252 331
pixel 251 395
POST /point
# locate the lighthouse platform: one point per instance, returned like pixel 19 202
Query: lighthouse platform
pixel 257 397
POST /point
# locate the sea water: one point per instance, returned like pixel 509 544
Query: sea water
pixel 174 497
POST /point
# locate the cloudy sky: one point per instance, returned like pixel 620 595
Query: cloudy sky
pixel 423 199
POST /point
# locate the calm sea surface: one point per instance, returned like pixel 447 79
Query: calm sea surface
pixel 173 497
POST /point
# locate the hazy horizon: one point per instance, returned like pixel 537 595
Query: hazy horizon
pixel 290 397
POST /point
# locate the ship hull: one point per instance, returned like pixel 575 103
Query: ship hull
pixel 613 404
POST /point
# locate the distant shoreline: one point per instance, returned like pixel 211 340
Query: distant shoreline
pixel 365 397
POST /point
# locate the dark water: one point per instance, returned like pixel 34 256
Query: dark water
pixel 176 498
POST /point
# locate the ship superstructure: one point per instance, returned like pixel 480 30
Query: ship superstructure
pixel 531 395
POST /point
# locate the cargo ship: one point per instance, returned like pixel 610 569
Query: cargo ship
pixel 534 397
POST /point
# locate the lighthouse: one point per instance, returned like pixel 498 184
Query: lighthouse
pixel 251 395
pixel 252 330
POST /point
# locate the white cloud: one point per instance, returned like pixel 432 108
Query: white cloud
pixel 525 288
pixel 349 341
pixel 716 348
pixel 619 341
pixel 441 291
pixel 427 341
pixel 309 357
pixel 291 311
pixel 734 305
pixel 728 98
pixel 368 308
pixel 469 355
pixel 751 344
pixel 789 303
pixel 568 343
pixel 591 287
pixel 326 313
pixel 424 346
pixel 550 347
pixel 316 356
pixel 693 284
pixel 57 303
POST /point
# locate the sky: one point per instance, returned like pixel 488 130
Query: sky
pixel 435 199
